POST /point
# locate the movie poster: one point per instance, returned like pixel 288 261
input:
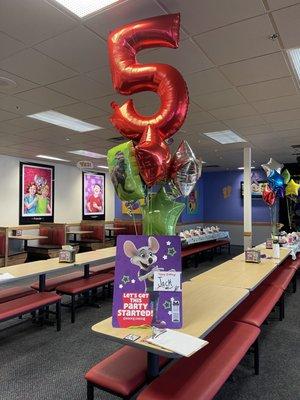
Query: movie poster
pixel 192 202
pixel 36 193
pixel 93 196
pixel 148 284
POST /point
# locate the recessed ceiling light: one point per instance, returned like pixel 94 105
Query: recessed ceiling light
pixel 102 166
pixel 82 8
pixel 243 168
pixel 225 137
pixel 87 153
pixel 56 118
pixel 294 56
pixel 52 158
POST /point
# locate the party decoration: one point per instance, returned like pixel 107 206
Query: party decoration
pixel 124 172
pixel 271 166
pixel 161 214
pixel 286 176
pixel 280 192
pixel 268 196
pixel 185 168
pixel 130 77
pixel 153 156
pixel 292 188
pixel 275 181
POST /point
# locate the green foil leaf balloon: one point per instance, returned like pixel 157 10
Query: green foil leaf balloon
pixel 286 176
pixel 160 214
pixel 124 172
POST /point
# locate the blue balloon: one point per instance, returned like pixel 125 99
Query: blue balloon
pixel 276 181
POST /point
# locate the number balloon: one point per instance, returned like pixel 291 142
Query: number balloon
pixel 130 77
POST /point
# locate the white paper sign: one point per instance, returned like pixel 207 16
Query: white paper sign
pixel 167 281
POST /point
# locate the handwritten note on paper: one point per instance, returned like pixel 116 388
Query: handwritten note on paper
pixel 167 281
pixel 5 277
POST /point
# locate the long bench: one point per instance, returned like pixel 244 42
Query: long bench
pixel 15 293
pixel 195 250
pixel 31 303
pixel 82 286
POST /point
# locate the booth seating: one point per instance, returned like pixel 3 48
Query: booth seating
pixel 15 293
pixel 50 247
pixel 29 304
pixel 6 258
pixel 123 373
pixel 129 228
pixel 83 286
pixel 282 277
pixel 52 283
pixel 211 247
pixel 91 241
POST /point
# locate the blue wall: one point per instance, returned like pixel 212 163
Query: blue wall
pixel 218 208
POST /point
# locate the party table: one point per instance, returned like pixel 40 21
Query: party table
pixel 205 305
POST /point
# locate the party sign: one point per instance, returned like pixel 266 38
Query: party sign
pixel 148 285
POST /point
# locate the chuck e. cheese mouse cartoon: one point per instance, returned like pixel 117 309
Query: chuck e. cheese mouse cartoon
pixel 145 258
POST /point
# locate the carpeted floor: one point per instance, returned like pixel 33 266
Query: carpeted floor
pixel 40 363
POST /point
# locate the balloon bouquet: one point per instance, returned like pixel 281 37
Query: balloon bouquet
pixel 145 160
pixel 279 185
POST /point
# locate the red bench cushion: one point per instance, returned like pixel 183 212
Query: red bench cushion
pixel 281 277
pixel 109 267
pixel 201 376
pixel 258 305
pixel 84 284
pixel 295 264
pixel 187 251
pixel 26 304
pixel 123 372
pixel 15 293
pixel 52 283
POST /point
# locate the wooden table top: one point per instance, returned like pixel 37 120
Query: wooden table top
pixel 204 307
pixel 78 232
pixel 238 273
pixel 28 237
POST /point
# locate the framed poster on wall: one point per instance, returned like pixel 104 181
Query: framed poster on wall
pixel 257 188
pixel 36 202
pixel 93 195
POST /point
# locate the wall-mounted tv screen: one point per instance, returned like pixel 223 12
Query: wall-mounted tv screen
pixel 257 188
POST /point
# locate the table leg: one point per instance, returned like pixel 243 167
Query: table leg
pixel 152 366
pixel 42 282
pixel 86 270
pixel 25 245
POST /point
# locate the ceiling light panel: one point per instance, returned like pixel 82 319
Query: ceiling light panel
pixel 86 153
pixel 51 158
pixel 59 119
pixel 225 137
pixel 294 56
pixel 82 8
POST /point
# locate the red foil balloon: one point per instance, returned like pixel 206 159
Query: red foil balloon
pixel 130 77
pixel 153 156
pixel 268 196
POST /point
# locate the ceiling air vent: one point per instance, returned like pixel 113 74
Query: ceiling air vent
pixel 296 146
pixel 116 139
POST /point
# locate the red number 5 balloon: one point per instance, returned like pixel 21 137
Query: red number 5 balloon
pixel 130 77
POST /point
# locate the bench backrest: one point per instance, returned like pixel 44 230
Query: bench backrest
pixel 130 227
pixel 56 234
pixel 96 226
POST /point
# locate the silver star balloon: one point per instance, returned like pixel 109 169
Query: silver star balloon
pixel 272 165
pixel 185 169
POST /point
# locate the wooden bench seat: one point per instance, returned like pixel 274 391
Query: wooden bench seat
pixel 23 305
pixel 83 285
pixel 281 277
pixel 202 375
pixel 123 373
pixel 52 283
pixel 196 249
pixel 15 293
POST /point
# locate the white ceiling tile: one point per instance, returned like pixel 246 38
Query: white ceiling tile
pixel 239 41
pixel 8 140
pixel 229 97
pixel 36 67
pixel 188 58
pixel 245 122
pixel 206 82
pixel 269 89
pixel 101 74
pixel 32 21
pixel 238 111
pixel 79 87
pixel 282 116
pixel 79 49
pixel 276 4
pixel 197 118
pixel 213 126
pixel 288 23
pixel 203 15
pixel 278 104
pixel 21 84
pixel 123 13
pixel 45 97
pixel 255 130
pixel 104 102
pixel 27 123
pixel 5 115
pixel 18 106
pixel 257 69
pixel 285 125
pixel 9 129
pixel 80 110
pixel 9 46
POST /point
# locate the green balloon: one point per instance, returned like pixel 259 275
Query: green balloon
pixel 124 172
pixel 161 214
pixel 286 176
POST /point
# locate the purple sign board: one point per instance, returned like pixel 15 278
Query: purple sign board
pixel 148 284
